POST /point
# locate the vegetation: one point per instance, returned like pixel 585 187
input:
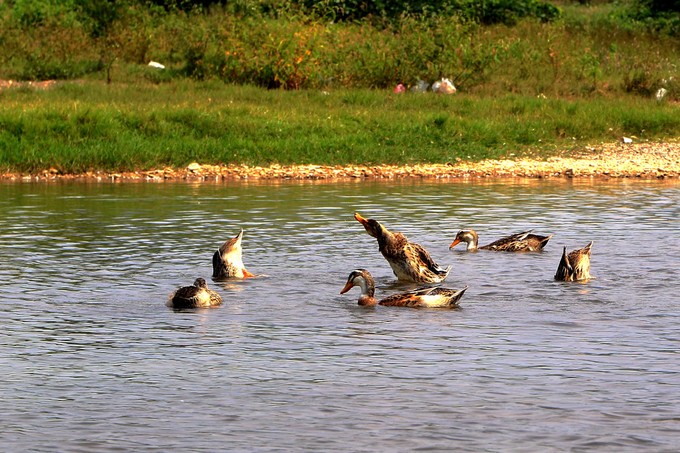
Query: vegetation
pixel 490 47
pixel 530 75
pixel 78 127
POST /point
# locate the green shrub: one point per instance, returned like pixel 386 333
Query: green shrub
pixel 487 12
pixel 589 50
pixel 659 15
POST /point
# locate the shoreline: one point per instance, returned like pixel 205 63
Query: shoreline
pixel 640 161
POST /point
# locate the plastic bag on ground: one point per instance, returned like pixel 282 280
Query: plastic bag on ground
pixel 446 87
pixel 421 86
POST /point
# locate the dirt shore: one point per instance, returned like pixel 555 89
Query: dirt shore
pixel 641 161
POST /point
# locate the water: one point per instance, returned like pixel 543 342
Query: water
pixel 92 360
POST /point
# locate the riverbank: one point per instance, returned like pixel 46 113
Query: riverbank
pixel 618 160
pixel 155 132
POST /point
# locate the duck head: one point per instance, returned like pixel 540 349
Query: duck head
pixel 361 278
pixel 200 283
pixel 469 237
pixel 364 280
pixel 373 227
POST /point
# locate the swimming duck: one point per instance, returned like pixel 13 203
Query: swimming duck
pixel 520 242
pixel 427 297
pixel 575 266
pixel 197 295
pixel 228 262
pixel 409 261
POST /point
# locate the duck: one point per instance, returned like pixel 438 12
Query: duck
pixel 575 266
pixel 409 261
pixel 426 297
pixel 520 242
pixel 197 295
pixel 228 261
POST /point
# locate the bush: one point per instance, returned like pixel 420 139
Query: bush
pixel 584 53
pixel 486 12
pixel 508 11
pixel 659 15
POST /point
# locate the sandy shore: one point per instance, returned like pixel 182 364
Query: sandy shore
pixel 641 161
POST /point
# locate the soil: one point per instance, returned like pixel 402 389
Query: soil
pixel 617 160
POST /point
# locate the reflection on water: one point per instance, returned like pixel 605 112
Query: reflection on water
pixel 94 361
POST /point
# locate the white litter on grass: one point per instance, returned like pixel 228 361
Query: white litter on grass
pixel 155 64
pixel 661 93
pixel 420 87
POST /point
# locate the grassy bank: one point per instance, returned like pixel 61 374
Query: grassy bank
pixel 80 126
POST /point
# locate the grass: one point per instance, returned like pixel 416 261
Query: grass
pixel 82 126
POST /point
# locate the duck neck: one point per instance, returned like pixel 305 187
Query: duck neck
pixel 472 241
pixel 384 237
pixel 367 292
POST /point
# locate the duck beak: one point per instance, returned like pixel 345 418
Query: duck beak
pixel 454 243
pixel 372 227
pixel 347 287
pixel 360 219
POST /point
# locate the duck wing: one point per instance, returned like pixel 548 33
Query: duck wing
pixel 419 255
pixel 186 297
pixel 512 243
pixel 449 297
pixel 426 297
pixel 520 242
pixel 409 299
pixel 187 292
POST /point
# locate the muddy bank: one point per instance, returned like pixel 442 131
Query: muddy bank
pixel 643 161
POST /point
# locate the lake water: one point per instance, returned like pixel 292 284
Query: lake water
pixel 93 360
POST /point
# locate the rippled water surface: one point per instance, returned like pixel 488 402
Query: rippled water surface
pixel 92 360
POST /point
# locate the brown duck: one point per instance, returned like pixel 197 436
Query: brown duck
pixel 575 266
pixel 520 242
pixel 409 261
pixel 428 297
pixel 195 296
pixel 228 260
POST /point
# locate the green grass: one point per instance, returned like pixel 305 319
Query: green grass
pixel 78 127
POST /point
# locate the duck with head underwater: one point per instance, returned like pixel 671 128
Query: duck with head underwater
pixel 575 266
pixel 228 260
pixel 409 261
pixel 427 297
pixel 520 242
